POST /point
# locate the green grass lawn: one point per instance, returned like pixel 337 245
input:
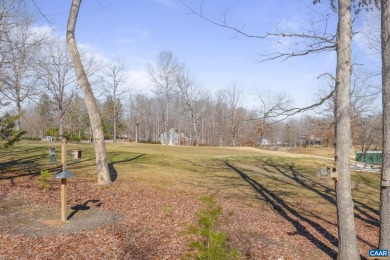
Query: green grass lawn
pixel 239 173
pixel 282 185
pixel 315 150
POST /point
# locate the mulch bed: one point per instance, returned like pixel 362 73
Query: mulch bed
pixel 135 221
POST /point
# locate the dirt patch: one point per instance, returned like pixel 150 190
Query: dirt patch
pixel 19 218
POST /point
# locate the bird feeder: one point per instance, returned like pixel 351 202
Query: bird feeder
pixel 333 173
pixel 52 154
pixel 328 172
pixel 76 155
pixel 323 172
pixel 64 174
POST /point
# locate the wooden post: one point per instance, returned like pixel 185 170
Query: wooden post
pixel 63 154
pixel 63 200
pixel 63 181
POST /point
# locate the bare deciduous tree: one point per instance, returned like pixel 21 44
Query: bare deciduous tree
pixel 193 97
pixel 367 132
pixel 78 116
pixel 163 74
pixel 113 80
pixel 220 119
pixel 19 56
pixel 233 97
pixel 271 105
pixel 6 24
pixel 138 111
pixel 384 236
pixel 348 248
pixel 315 42
pixel 93 111
pixel 57 76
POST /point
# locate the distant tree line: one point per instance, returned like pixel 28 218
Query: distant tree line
pixel 200 118
pixel 38 83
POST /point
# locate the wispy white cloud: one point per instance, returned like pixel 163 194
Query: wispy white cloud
pixel 132 35
pixel 139 80
pixel 42 30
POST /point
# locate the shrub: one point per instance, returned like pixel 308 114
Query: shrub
pixel 54 132
pixel 166 212
pixel 31 138
pixel 210 243
pixel 74 138
pixel 7 132
pixel 44 180
pixel 148 142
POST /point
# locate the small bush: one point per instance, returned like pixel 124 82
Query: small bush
pixel 74 138
pixel 148 142
pixel 210 243
pixel 44 180
pixel 7 132
pixel 54 132
pixel 166 212
pixel 31 138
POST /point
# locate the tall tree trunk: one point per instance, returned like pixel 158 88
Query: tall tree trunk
pixel 93 112
pixel 136 132
pixel 19 108
pixel 348 249
pixel 167 115
pixel 61 126
pixel 384 236
pixel 79 126
pixel 115 117
pixel 196 138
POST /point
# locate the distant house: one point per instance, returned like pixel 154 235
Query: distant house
pixel 278 143
pixel 265 142
pixel 308 140
pixel 169 138
pixel 49 138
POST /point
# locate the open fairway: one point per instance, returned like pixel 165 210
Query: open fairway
pixel 274 204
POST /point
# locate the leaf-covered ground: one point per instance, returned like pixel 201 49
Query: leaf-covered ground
pixel 272 209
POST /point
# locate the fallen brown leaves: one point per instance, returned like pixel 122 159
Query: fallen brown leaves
pixel 148 223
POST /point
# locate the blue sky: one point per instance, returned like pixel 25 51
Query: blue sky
pixel 136 31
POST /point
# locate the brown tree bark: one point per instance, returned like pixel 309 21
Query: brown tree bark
pixel 384 235
pixel 348 248
pixel 90 101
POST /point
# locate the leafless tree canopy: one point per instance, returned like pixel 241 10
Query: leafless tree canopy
pixel 114 86
pixel 20 46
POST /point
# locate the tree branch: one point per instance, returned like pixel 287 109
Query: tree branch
pixel 321 43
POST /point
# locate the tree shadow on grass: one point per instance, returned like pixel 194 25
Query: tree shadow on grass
pixel 19 168
pixel 323 191
pixel 291 215
pixel 328 194
pixel 113 171
pixel 18 162
pixel 12 151
pixel 22 162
